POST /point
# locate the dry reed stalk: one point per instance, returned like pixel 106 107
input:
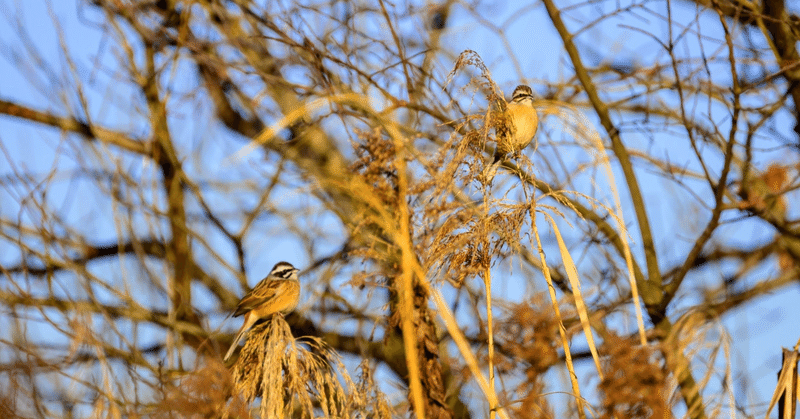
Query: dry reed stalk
pixel 293 377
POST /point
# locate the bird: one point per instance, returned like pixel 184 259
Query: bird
pixel 517 126
pixel 278 292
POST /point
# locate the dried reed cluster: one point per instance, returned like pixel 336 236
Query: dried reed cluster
pixel 298 377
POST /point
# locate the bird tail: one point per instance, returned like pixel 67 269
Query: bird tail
pixel 235 344
pixel 491 169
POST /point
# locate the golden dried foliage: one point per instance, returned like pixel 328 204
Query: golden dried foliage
pixel 527 337
pixel 763 194
pixel 296 377
pixel 204 392
pixel 776 177
pixel 275 375
pixel 7 407
pixel 375 156
pixel 635 384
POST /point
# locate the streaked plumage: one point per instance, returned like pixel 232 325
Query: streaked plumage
pixel 516 129
pixel 279 292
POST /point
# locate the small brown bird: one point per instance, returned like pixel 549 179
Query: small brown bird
pixel 279 292
pixel 518 126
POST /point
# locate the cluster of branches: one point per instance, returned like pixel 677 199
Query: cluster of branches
pixel 206 134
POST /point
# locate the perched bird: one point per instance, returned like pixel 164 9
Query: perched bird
pixel 279 292
pixel 517 126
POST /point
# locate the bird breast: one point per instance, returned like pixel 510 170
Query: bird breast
pixel 525 121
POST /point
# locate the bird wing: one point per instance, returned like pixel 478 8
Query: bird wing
pixel 262 292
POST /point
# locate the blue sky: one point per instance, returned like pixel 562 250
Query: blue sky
pixel 756 333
